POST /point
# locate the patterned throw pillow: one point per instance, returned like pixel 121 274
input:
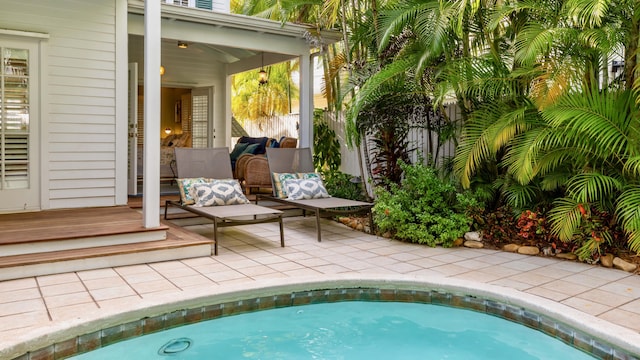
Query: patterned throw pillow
pixel 300 189
pixel 218 192
pixel 185 184
pixel 309 175
pixel 278 183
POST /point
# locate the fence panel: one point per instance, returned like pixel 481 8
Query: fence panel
pixel 422 142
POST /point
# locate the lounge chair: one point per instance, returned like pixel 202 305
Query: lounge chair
pixel 295 163
pixel 215 164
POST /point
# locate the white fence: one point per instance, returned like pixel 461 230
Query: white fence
pixel 422 142
pixel 273 127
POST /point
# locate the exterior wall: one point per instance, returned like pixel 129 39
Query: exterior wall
pixel 215 5
pixel 78 97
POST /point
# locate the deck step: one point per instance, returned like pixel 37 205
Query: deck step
pixel 174 247
pixel 70 224
pixel 60 230
pixel 88 242
pixel 57 241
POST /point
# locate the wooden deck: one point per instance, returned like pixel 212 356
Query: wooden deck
pixel 37 243
pixel 69 224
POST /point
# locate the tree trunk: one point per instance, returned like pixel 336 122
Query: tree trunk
pixel 631 52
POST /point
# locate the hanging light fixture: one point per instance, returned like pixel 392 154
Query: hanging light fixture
pixel 262 75
pixel 182 45
pixel 161 70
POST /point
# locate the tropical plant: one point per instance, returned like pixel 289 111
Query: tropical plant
pixel 252 100
pixel 593 141
pixel 343 185
pixel 423 208
pixel 326 148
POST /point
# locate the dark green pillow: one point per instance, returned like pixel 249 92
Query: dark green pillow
pixel 238 150
pixel 251 149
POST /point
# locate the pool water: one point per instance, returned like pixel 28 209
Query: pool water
pixel 347 330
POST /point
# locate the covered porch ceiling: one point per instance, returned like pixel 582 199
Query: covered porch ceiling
pixel 198 64
pixel 218 44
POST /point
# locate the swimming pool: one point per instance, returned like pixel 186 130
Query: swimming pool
pixel 99 330
pixel 347 330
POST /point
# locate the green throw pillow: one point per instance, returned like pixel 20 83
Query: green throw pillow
pixel 278 183
pixel 238 150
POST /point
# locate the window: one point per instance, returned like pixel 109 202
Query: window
pixel 14 118
pixel 200 120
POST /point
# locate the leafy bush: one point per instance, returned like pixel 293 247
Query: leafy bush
pixel 339 184
pixel 498 225
pixel 423 208
pixel 326 147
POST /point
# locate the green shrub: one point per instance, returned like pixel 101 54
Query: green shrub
pixel 326 147
pixel 423 208
pixel 339 184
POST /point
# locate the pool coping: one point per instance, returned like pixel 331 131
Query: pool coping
pixel 616 336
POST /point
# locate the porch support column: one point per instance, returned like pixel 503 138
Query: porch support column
pixel 306 102
pixel 151 171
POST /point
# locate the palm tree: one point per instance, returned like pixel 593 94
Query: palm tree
pixel 509 66
pixel 591 142
pixel 253 101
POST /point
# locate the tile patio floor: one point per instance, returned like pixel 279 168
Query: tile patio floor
pixel 251 254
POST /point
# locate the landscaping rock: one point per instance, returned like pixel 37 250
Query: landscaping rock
pixel 473 236
pixel 360 227
pixel 511 247
pixel 473 244
pixel 528 250
pixel 607 260
pixel 547 251
pixel 458 242
pixel 567 256
pixel 387 235
pixel 624 265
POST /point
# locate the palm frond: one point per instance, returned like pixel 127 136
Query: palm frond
pixel 370 92
pixel 520 196
pixel 565 218
pixel 590 13
pixel 554 181
pixel 632 166
pixel 628 214
pixel 600 118
pixel 477 142
pixel 592 187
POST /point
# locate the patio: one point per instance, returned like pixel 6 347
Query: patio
pixel 251 257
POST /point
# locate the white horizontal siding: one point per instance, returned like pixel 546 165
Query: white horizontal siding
pixel 222 6
pixel 78 91
pixel 79 99
pixel 82 165
pixel 76 174
pixel 75 193
pixel 82 202
pixel 67 147
pixel 89 100
pixel 78 184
